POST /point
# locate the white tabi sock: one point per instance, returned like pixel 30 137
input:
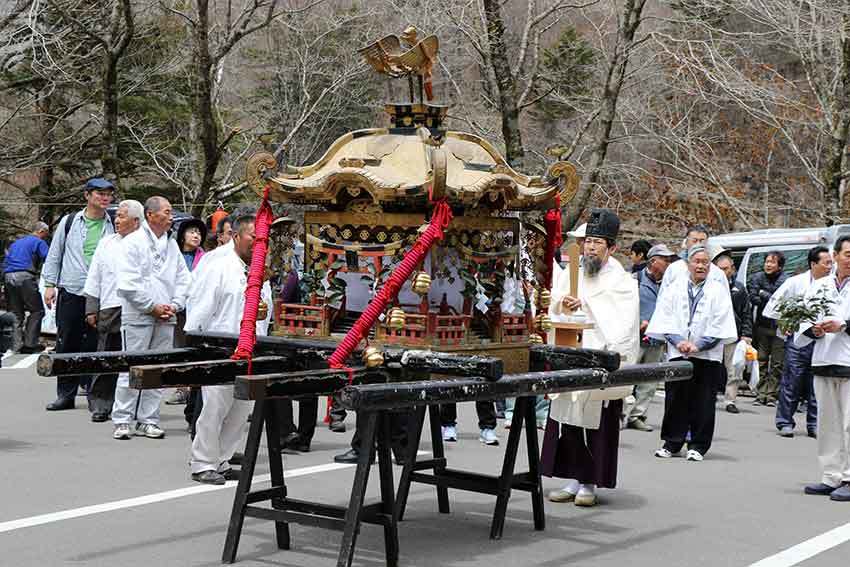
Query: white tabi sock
pixel 572 486
pixel 586 489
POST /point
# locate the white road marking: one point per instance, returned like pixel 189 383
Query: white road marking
pixel 807 549
pixel 25 362
pixel 158 497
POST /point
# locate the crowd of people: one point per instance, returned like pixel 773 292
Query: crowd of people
pixel 127 284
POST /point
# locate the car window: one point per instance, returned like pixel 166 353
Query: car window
pixel 796 262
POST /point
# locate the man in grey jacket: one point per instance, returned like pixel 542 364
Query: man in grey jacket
pixel 153 282
pixel 64 272
pixel 651 350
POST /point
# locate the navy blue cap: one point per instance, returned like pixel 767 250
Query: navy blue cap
pixel 99 183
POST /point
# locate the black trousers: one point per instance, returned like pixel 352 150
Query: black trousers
pixel 689 406
pixel 486 414
pixel 192 409
pixel 398 432
pixel 102 391
pixel 308 413
pixel 73 334
pixel 22 295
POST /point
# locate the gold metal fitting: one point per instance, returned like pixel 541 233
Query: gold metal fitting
pixel 544 322
pixel 396 318
pixel 535 339
pixel 421 283
pixel 545 297
pixel 373 357
pixel 262 310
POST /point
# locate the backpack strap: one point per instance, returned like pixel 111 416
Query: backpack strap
pixel 69 221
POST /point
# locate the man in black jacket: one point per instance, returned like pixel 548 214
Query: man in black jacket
pixel 743 321
pixel 770 345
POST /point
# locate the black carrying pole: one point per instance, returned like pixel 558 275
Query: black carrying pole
pixel 79 363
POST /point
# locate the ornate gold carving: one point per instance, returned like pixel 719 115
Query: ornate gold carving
pixel 567 177
pixel 256 168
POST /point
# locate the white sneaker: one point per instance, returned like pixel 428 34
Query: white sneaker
pixel 450 433
pixel 663 453
pixel 149 430
pixel 122 431
pixel 488 437
pixel 694 455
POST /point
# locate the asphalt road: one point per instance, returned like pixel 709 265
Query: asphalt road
pixel 743 504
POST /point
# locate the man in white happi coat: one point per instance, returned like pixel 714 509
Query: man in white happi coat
pixel 583 430
pixel 216 305
pixel 694 317
pixel 831 367
pixel 796 384
pixel 103 306
pixel 153 282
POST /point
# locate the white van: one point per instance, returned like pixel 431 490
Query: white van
pixel 749 249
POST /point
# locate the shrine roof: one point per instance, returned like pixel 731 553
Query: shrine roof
pixel 404 164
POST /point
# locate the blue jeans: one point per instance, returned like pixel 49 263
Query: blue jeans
pixel 796 387
pixel 541 409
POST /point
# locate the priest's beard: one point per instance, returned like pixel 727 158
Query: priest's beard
pixel 592 266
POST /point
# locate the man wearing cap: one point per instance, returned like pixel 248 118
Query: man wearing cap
pixel 694 317
pixel 65 271
pixel 21 268
pixel 743 323
pixel 649 279
pixel 796 384
pixel 582 434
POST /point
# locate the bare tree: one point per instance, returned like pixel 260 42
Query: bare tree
pixel 784 64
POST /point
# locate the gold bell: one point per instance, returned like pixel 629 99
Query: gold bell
pixel 373 357
pixel 421 283
pixel 397 318
pixel 262 310
pixel 545 299
pixel 544 322
pixel 535 339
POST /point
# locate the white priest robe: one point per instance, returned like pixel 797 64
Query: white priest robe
pixel 713 317
pixel 610 302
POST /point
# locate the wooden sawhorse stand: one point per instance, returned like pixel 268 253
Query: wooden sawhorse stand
pixel 285 510
pixel 500 486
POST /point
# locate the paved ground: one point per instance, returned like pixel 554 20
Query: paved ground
pixel 741 505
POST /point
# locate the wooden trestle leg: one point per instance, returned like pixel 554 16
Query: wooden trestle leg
pixel 439 456
pixel 533 449
pixel 278 488
pixel 240 500
pixel 358 490
pixel 415 424
pixel 506 478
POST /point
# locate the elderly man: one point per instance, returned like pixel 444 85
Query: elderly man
pixel 103 306
pixel 65 270
pixel 649 279
pixel 582 434
pixel 217 306
pixel 831 367
pixel 796 383
pixel 694 317
pixel 153 283
pixel 743 323
pixel 770 345
pixel 21 269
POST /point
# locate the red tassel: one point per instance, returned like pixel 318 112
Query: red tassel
pixel 554 239
pixel 256 271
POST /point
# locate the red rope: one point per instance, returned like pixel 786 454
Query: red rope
pixel 440 220
pixel 554 239
pixel 248 327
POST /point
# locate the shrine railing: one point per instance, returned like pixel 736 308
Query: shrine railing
pixel 301 320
